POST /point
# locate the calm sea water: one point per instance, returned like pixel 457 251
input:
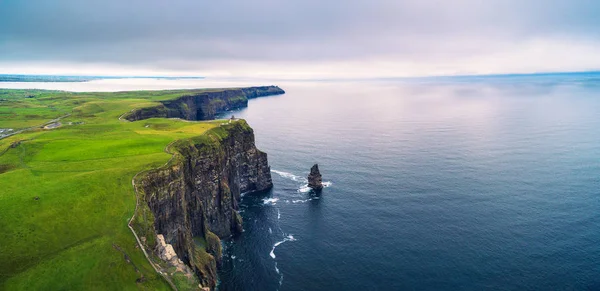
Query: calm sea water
pixel 450 184
pixel 464 183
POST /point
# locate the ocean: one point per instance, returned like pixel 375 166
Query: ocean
pixel 466 183
pixel 435 184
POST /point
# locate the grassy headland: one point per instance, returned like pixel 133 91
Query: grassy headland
pixel 66 195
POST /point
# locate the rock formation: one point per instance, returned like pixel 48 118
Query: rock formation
pixel 314 178
pixel 167 253
pixel 203 105
pixel 193 201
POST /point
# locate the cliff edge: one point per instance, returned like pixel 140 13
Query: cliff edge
pixel 204 105
pixel 192 202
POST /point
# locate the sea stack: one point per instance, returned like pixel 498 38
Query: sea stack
pixel 314 178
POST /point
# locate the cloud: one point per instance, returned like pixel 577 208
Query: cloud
pixel 294 37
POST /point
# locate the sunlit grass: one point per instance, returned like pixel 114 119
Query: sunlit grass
pixel 66 194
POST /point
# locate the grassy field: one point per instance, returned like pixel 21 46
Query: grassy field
pixel 66 193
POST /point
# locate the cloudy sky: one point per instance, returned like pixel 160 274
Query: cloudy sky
pixel 299 38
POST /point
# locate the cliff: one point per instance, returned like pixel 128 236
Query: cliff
pixel 203 105
pixel 193 201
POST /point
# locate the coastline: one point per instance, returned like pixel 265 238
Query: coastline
pixel 79 126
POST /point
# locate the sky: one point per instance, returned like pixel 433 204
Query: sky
pixel 298 38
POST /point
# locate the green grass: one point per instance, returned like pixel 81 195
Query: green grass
pixel 66 193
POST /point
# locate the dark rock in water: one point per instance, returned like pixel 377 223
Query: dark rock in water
pixel 314 178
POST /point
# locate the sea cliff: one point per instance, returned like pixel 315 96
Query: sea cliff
pixel 203 105
pixel 187 206
pixel 193 200
pixel 64 229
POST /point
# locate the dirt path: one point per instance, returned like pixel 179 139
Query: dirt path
pixel 137 202
pixel 37 126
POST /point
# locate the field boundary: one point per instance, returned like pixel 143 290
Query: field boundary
pixel 135 211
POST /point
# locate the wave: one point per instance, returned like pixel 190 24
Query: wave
pixel 305 200
pixel 280 278
pixel 290 176
pixel 301 201
pixel 271 201
pixel 306 189
pixel 287 238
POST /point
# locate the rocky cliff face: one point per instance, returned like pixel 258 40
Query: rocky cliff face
pixel 194 199
pixel 203 105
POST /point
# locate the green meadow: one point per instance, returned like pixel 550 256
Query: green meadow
pixel 66 195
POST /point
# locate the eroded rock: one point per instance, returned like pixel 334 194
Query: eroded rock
pixel 194 200
pixel 315 181
pixel 165 251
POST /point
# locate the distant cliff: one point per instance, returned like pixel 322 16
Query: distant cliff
pixel 203 105
pixel 193 200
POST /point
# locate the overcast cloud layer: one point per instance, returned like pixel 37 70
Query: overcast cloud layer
pixel 299 38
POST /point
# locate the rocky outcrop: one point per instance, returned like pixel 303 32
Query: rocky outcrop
pixel 194 199
pixel 187 206
pixel 166 253
pixel 314 178
pixel 203 105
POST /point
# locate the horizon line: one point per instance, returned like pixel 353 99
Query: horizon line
pixel 498 75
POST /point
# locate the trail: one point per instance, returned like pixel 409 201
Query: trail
pixel 135 211
pixel 137 198
pixel 36 126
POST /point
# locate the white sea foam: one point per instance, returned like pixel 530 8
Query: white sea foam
pixel 290 176
pixel 287 238
pixel 270 230
pixel 305 200
pixel 271 201
pixel 305 189
pixel 278 214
